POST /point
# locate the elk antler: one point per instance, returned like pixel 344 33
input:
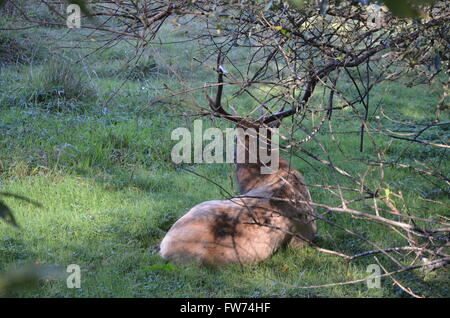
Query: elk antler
pixel 216 105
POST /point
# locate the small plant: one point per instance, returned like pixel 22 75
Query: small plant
pixel 18 49
pixel 142 69
pixel 60 86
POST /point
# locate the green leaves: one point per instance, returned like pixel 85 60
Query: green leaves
pixel 407 8
pixel 403 8
pixel 400 8
pixel 298 3
pixel 81 3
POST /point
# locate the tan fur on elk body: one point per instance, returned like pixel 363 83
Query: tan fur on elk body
pixel 248 178
pixel 246 229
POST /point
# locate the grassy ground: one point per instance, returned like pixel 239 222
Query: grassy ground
pixel 109 190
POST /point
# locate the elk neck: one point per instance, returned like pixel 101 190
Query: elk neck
pixel 249 175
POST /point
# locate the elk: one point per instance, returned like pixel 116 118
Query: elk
pixel 270 212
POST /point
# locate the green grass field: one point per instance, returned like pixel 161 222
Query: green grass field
pixel 110 192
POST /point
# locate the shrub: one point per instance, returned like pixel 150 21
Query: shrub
pixel 60 85
pixel 142 69
pixel 18 49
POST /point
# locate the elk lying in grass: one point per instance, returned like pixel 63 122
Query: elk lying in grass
pixel 270 212
pixel 246 229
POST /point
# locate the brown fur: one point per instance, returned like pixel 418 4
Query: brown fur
pixel 246 229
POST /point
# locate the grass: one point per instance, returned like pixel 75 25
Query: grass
pixel 60 84
pixel 110 192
